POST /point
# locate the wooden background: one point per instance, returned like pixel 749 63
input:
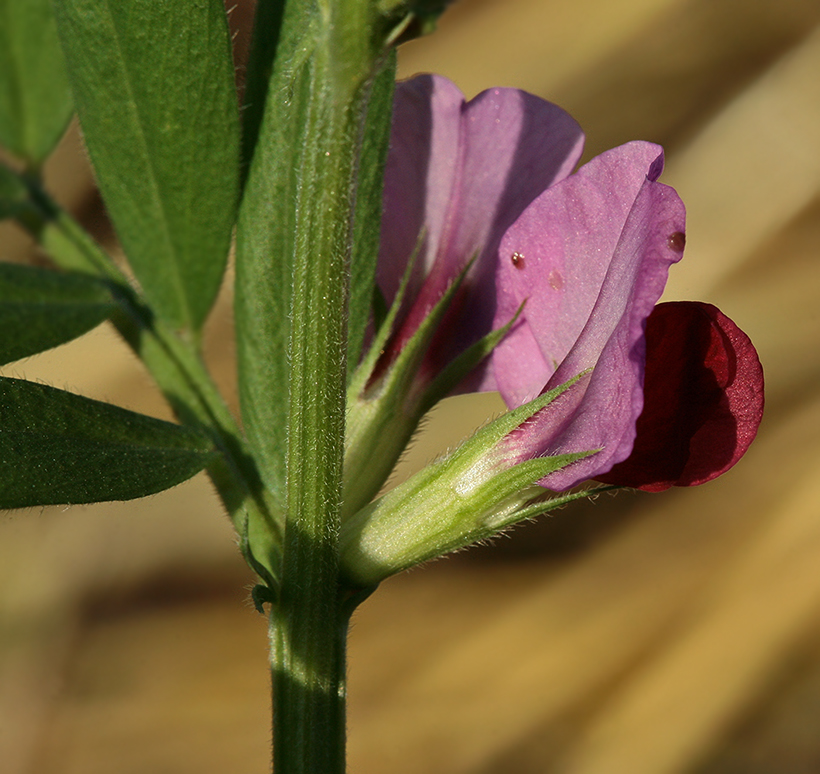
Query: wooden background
pixel 643 634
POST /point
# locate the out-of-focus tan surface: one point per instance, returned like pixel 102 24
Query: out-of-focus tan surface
pixel 643 634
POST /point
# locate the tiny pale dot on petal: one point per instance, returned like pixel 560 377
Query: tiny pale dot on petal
pixel 555 280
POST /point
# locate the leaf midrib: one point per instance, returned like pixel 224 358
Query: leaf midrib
pixel 133 107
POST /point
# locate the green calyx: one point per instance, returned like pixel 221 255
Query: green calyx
pixel 465 497
pixel 384 410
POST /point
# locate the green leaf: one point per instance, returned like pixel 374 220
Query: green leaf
pixel 40 309
pixel 61 448
pixel 153 83
pixel 267 22
pixel 35 99
pixel 264 250
pixel 367 219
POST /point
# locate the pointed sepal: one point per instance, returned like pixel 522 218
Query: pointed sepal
pixel 465 497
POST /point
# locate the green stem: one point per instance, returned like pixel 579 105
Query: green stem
pixel 308 691
pixel 177 369
pixel 309 624
pixel 309 638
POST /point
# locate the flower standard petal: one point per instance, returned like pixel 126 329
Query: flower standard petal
pixel 459 173
pixel 419 178
pixel 592 254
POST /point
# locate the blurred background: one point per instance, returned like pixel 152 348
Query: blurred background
pixel 647 634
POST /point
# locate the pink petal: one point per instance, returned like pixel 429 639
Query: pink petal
pixel 703 399
pixel 591 256
pixel 464 172
pixel 419 177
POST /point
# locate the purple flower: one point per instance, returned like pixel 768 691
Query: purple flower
pixel 588 253
pixel 565 271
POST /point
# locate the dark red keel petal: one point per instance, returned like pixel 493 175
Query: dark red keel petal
pixel 703 399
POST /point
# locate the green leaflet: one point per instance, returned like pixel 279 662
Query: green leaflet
pixel 267 22
pixel 35 100
pixel 367 220
pixel 40 309
pixel 154 88
pixel 265 246
pixel 57 447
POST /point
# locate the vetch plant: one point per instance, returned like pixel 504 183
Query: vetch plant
pixel 392 247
